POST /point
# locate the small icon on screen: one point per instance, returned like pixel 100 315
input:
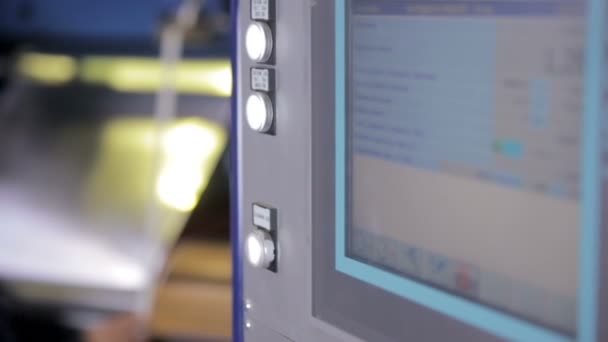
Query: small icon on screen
pixel 467 279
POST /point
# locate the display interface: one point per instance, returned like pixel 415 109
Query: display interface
pixel 463 149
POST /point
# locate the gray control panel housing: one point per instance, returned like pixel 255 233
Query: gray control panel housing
pixel 293 172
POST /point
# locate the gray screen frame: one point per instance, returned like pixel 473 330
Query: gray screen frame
pixel 376 315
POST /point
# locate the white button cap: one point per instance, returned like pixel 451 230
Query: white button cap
pixel 258 110
pixel 258 42
pixel 260 249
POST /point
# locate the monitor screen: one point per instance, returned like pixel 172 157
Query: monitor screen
pixel 463 149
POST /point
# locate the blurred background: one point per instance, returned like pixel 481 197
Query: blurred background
pixel 114 196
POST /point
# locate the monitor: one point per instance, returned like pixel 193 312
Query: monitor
pixel 421 170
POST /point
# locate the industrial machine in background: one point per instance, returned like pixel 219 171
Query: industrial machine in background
pixel 421 170
pixel 114 119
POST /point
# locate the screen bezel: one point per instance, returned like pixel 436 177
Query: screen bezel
pixel 478 315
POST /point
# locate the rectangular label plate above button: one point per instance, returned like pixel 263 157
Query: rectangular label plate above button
pixel 262 9
pixel 264 217
pixel 262 79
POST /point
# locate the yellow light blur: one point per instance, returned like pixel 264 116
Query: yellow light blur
pixel 203 77
pixel 47 68
pixel 122 176
pixel 129 134
pixel 211 77
pixel 191 149
pixel 189 142
pixel 178 187
pixel 127 172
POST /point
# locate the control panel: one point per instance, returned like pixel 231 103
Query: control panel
pixel 260 243
pixel 274 169
pixel 259 45
pixel 361 126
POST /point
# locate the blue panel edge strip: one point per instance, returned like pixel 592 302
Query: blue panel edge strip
pixel 458 308
pixel 235 194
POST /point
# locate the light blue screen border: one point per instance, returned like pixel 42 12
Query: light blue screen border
pixel 471 313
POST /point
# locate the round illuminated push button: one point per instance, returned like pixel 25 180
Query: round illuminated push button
pixel 260 249
pixel 258 42
pixel 259 112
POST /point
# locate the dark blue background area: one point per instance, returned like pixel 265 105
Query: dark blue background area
pixel 91 25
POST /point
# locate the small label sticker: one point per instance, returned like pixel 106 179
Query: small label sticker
pixel 260 79
pixel 263 217
pixel 260 9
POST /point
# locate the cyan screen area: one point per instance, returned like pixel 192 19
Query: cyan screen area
pixel 462 168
